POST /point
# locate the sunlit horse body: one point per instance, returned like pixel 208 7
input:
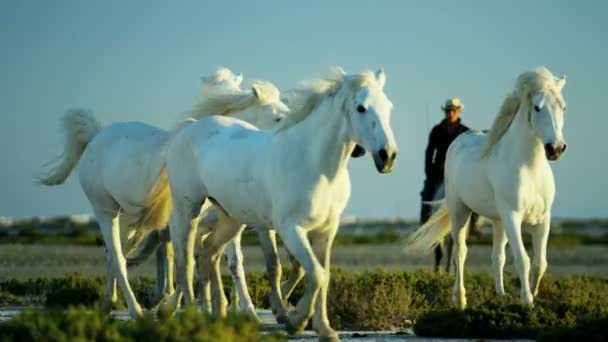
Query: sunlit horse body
pixel 224 81
pixel 293 179
pixel 122 173
pixel 504 176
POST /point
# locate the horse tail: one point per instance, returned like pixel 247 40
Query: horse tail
pixel 144 250
pixel 430 233
pixel 80 127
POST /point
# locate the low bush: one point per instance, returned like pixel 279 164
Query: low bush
pixel 82 324
pixel 380 300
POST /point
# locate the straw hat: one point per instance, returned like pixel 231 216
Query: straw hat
pixel 453 103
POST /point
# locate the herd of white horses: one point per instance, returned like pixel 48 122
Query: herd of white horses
pixel 246 158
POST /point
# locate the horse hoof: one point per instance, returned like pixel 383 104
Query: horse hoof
pixel 164 312
pixel 282 318
pixel 105 306
pixel 295 328
pixel 333 337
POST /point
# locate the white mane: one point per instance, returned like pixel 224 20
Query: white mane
pixel 303 101
pixel 226 102
pixel 528 83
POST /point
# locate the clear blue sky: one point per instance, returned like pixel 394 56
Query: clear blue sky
pixel 141 60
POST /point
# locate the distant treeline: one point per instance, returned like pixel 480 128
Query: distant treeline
pixel 85 231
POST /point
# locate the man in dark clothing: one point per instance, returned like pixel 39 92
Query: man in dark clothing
pixel 440 139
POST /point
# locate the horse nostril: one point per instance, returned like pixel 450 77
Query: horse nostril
pixel 383 155
pixel 564 148
pixel 393 156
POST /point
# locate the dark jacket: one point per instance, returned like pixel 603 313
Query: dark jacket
pixel 440 139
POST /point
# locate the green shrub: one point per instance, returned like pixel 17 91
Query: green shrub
pixel 385 299
pixel 74 290
pixel 492 321
pixel 591 330
pixel 81 324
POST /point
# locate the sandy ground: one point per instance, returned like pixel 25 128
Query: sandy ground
pixel 32 261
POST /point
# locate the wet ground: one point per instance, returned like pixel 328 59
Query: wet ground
pixel 34 261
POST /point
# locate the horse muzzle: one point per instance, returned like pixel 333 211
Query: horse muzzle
pixel 554 151
pixel 384 159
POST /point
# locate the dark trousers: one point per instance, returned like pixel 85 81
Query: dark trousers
pixel 428 191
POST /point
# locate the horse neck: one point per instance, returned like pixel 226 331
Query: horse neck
pixel 325 132
pixel 250 115
pixel 519 144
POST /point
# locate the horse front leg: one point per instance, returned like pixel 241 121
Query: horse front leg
pixel 296 241
pixel 320 322
pixel 540 237
pixel 511 221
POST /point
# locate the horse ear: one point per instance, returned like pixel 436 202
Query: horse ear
pixel 255 91
pixel 561 82
pixel 239 79
pixel 381 77
pixel 340 71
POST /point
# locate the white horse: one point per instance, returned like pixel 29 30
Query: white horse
pixel 225 81
pixel 504 176
pixel 293 179
pixel 123 175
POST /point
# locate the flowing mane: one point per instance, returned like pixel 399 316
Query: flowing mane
pixel 528 83
pixel 226 103
pixel 303 101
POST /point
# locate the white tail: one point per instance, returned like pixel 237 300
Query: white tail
pixel 80 127
pixel 145 248
pixel 430 234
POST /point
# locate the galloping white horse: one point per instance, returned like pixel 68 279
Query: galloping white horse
pixel 123 175
pixel 293 179
pixel 504 176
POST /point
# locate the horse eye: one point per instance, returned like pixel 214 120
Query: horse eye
pixel 361 109
pixel 537 108
pixel 564 108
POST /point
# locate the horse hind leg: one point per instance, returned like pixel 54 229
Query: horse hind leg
pixel 438 251
pixel 209 259
pixel 498 256
pixel 273 270
pixel 110 229
pixel 234 255
pixel 183 230
pixel 295 275
pixel 459 215
pixel 449 249
pixel 110 295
